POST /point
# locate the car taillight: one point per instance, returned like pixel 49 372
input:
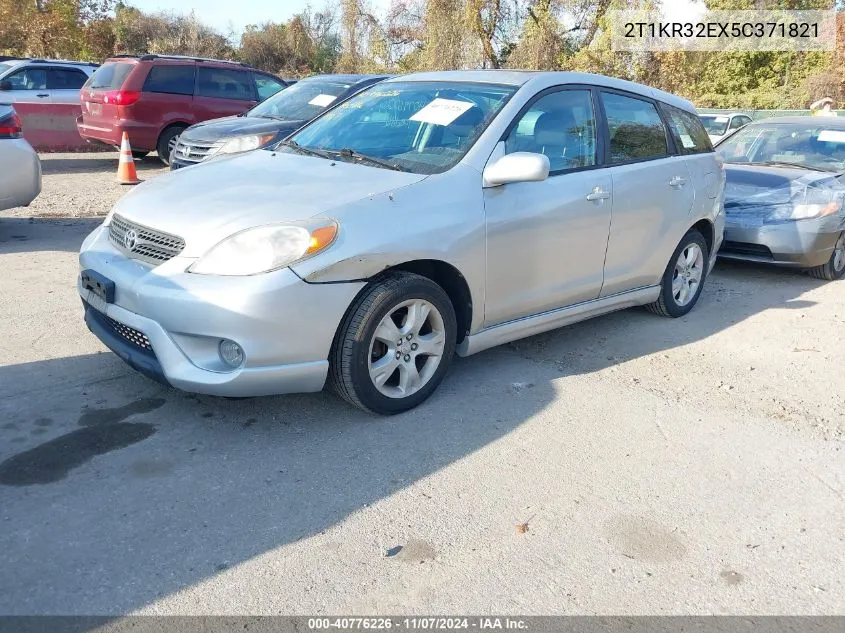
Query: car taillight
pixel 121 97
pixel 10 127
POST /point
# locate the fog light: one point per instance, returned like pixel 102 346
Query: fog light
pixel 231 353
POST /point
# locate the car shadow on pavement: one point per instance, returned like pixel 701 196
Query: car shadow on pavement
pixel 21 235
pixel 82 164
pixel 116 492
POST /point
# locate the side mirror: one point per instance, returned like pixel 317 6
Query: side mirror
pixel 517 167
pixel 5 85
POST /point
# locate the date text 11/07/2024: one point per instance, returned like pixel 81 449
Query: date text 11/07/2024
pixel 418 623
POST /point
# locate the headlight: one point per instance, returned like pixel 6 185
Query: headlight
pixel 266 248
pixel 245 143
pixel 819 210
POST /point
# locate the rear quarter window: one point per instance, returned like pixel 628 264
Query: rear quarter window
pixel 171 79
pixel 110 75
pixel 688 131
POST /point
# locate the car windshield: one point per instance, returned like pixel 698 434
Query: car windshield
pixel 811 146
pixel 302 101
pixel 421 127
pixel 715 125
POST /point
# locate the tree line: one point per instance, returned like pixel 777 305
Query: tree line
pixel 412 35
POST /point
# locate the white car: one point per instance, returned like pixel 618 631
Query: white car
pixel 20 169
pixel 43 80
pixel 718 126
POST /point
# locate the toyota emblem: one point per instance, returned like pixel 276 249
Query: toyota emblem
pixel 130 238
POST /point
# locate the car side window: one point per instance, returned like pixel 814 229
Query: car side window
pixel 267 86
pixel 561 125
pixel 688 131
pixel 28 79
pixel 635 129
pixel 65 79
pixel 170 79
pixel 223 83
pixel 737 122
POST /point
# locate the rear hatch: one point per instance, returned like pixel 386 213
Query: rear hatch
pixel 102 96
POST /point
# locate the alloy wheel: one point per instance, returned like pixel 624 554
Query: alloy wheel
pixel 689 271
pixel 406 348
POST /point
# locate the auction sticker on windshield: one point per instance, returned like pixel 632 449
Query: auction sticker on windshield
pixel 322 100
pixel 832 136
pixel 442 111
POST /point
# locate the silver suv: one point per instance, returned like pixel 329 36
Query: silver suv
pixel 432 213
pixel 43 80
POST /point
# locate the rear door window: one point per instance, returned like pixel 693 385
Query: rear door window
pixel 223 83
pixel 688 131
pixel 635 130
pixel 65 78
pixel 109 76
pixel 28 79
pixel 171 79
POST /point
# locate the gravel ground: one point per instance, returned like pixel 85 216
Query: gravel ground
pixel 82 185
pixel 630 465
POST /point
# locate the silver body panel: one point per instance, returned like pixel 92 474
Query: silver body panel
pixel 20 173
pixel 532 254
pixel 800 244
pixel 45 95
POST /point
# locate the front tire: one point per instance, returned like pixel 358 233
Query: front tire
pixel 683 279
pixel 394 345
pixel 835 266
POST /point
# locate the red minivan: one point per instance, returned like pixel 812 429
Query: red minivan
pixel 154 97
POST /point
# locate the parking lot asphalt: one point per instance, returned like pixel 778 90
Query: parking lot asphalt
pixel 630 464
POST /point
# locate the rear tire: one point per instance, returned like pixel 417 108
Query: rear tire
pixel 683 279
pixel 167 141
pixel 835 266
pixel 394 345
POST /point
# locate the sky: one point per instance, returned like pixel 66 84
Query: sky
pixel 235 15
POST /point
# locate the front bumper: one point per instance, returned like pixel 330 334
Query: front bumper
pixel 799 243
pixel 167 323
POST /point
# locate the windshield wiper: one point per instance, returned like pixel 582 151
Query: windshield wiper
pixel 781 163
pixel 351 153
pixel 305 150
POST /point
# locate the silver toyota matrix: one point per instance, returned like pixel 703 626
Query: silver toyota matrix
pixel 431 214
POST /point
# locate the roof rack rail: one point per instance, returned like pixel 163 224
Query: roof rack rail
pixel 145 58
pixel 123 55
pixel 63 61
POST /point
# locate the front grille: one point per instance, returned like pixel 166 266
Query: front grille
pixel 187 151
pixel 140 242
pixel 129 334
pixel 747 249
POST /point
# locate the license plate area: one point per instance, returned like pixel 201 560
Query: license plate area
pixel 100 289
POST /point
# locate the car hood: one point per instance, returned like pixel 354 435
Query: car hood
pixel 228 127
pixel 762 194
pixel 208 202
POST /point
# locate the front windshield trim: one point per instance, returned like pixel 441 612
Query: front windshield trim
pixel 511 88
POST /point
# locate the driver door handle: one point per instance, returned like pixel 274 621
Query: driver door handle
pixel 677 181
pixel 598 194
pixel 42 95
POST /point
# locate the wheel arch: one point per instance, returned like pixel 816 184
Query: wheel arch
pixel 708 230
pixel 444 275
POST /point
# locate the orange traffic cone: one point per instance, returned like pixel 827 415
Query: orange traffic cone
pixel 126 174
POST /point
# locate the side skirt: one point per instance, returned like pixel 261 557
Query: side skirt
pixel 529 326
